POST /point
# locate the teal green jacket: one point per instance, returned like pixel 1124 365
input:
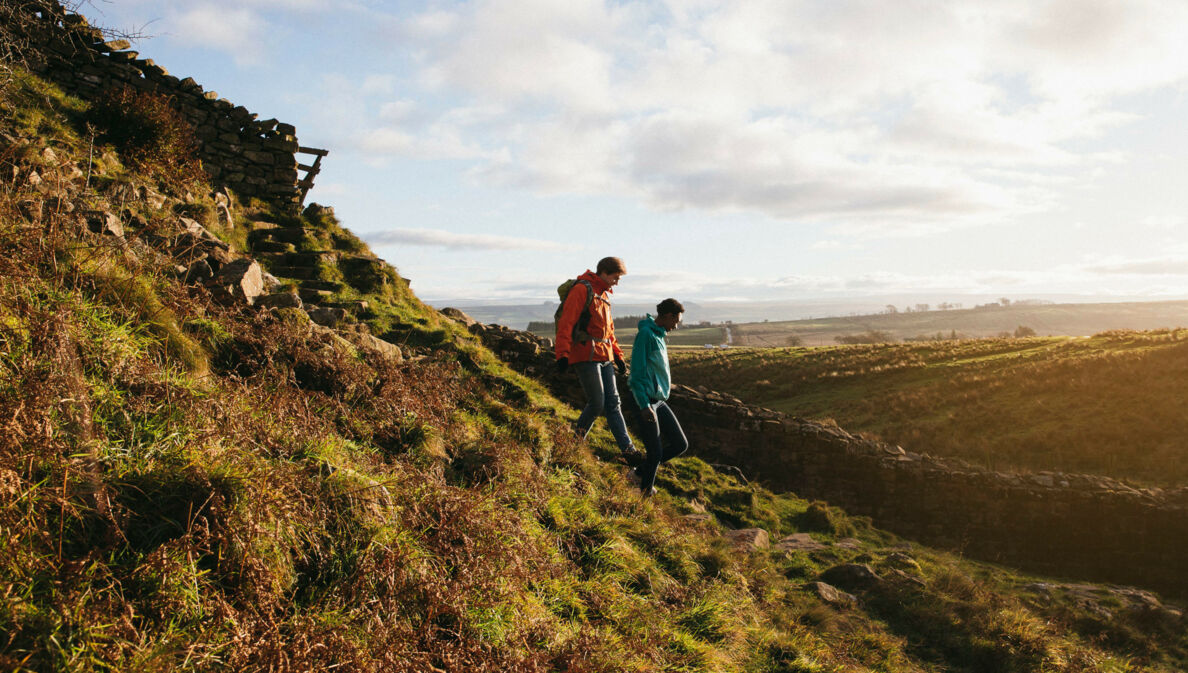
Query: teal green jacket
pixel 650 379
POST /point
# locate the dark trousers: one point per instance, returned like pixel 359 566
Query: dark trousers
pixel 602 396
pixel 664 441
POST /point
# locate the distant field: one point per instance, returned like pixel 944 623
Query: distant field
pixel 1045 319
pixel 1114 404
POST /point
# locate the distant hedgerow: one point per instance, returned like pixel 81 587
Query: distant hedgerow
pixel 148 132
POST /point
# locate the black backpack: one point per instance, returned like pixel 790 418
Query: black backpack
pixel 579 328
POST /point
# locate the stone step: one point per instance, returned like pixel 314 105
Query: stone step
pixel 303 259
pixel 283 235
pixel 312 296
pixel 330 285
pixel 355 307
pixel 311 258
pixel 303 273
pixel 272 247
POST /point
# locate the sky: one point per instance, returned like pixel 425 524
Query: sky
pixel 745 150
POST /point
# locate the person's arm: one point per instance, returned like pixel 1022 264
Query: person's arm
pixel 575 302
pixel 640 375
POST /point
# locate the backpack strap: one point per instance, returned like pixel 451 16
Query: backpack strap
pixel 579 328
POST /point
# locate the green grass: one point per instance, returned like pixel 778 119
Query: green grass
pixel 1113 404
pixel 294 505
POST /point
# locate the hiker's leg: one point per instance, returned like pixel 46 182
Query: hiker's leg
pixel 649 432
pixel 675 442
pixel 591 379
pixel 614 410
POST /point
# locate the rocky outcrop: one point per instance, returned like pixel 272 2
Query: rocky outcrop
pixel 1076 525
pixel 256 158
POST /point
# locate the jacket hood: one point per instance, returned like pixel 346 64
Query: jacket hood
pixel 596 281
pixel 649 323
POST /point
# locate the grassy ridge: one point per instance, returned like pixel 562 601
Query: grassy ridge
pixel 1114 404
pixel 1045 319
pixel 186 485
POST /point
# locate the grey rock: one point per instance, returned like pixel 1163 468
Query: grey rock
pixel 902 578
pixel 376 345
pixel 902 561
pixel 749 538
pixel 802 542
pixel 832 595
pixel 155 199
pixel 271 282
pixel 105 223
pixel 327 317
pixel 32 209
pixel 280 300
pixel 197 272
pixel 457 315
pixel 240 280
pixel 853 576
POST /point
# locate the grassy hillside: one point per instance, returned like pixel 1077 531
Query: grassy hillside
pixel 1114 404
pixel 1044 319
pixel 193 484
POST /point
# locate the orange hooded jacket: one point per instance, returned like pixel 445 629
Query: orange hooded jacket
pixel 602 346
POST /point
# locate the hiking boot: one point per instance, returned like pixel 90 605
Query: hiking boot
pixel 648 493
pixel 632 455
pixel 633 477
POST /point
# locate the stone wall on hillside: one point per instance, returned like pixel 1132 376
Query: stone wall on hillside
pixel 1079 526
pixel 254 158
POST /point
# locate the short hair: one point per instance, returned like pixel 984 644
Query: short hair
pixel 610 265
pixel 670 306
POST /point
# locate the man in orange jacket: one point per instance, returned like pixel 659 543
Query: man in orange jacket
pixel 586 339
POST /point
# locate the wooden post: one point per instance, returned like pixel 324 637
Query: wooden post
pixel 306 183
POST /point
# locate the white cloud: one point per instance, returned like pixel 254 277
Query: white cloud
pixel 237 31
pixel 1164 266
pixel 1164 222
pixel 456 241
pixel 920 116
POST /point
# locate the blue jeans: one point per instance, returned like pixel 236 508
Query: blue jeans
pixel 598 383
pixel 663 439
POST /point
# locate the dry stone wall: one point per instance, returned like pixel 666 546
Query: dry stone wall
pixel 1079 526
pixel 255 158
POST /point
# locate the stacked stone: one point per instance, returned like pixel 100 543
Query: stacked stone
pixel 1065 524
pixel 254 158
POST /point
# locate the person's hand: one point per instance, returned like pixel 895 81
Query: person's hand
pixel 620 365
pixel 562 365
pixel 648 414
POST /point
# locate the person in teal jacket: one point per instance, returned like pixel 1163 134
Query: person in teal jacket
pixel 650 382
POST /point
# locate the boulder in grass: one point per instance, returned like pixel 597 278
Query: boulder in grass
pixel 241 280
pixel 105 224
pixel 326 316
pixel 457 315
pixel 832 595
pixel 749 539
pixel 280 300
pixel 376 345
pixel 852 576
pixel 801 542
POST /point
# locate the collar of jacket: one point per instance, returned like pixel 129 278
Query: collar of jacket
pixel 649 323
pixel 596 281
